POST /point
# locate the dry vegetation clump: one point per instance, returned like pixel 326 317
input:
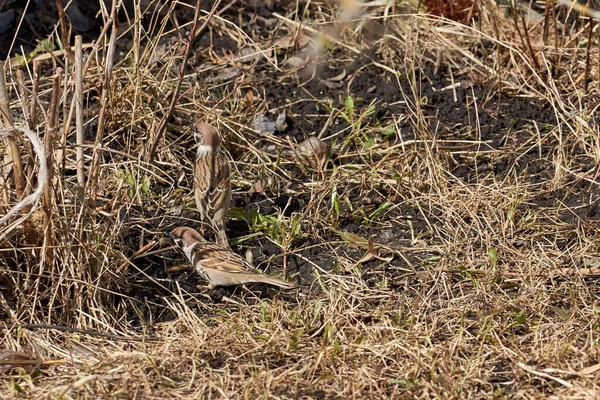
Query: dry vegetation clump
pixel 431 186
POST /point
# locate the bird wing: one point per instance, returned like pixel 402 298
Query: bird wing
pixel 213 256
pixel 211 182
pixel 221 182
pixel 202 180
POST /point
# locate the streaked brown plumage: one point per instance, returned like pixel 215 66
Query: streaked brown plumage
pixel 218 264
pixel 212 184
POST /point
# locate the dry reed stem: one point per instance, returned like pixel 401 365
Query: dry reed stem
pixel 65 31
pixel 24 97
pixel 49 140
pixel 34 94
pixel 79 117
pixel 71 111
pixel 104 97
pixel 13 146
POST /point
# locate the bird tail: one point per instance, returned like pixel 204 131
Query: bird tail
pixel 275 282
pixel 219 227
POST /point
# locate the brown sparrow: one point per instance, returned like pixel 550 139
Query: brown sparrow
pixel 218 264
pixel 212 184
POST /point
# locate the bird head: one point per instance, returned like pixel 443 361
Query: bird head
pixel 206 134
pixel 185 237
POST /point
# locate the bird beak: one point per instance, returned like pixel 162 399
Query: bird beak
pixel 173 237
pixel 197 137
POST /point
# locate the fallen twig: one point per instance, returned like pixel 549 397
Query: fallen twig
pixel 85 332
pixel 544 375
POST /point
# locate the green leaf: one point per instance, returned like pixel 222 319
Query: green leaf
pixel 428 340
pixel 359 339
pixel 265 312
pixel 296 225
pixel 295 338
pixel 327 334
pixel 349 105
pixel 493 253
pixel 465 271
pixel 389 132
pixel 20 60
pixel 352 238
pixel 335 204
pixel 16 387
pixel 318 307
pixel 561 313
pixel 145 186
pixel 237 213
pixel 369 143
pixel 381 209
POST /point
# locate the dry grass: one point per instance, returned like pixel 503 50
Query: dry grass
pixel 479 278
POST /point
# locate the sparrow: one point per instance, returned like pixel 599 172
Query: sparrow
pixel 218 264
pixel 212 180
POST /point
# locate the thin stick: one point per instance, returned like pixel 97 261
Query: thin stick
pixel 557 58
pixel 581 8
pixel 546 21
pixel 588 58
pixel 34 94
pixel 64 34
pixel 194 33
pixel 24 97
pixel 110 57
pixel 529 46
pixel 49 147
pixel 52 127
pixel 79 116
pixel 110 60
pixel 13 146
pixel 28 169
pixel 69 119
pixel 69 329
pixel 544 375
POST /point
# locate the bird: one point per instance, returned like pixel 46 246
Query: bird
pixel 212 180
pixel 219 265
